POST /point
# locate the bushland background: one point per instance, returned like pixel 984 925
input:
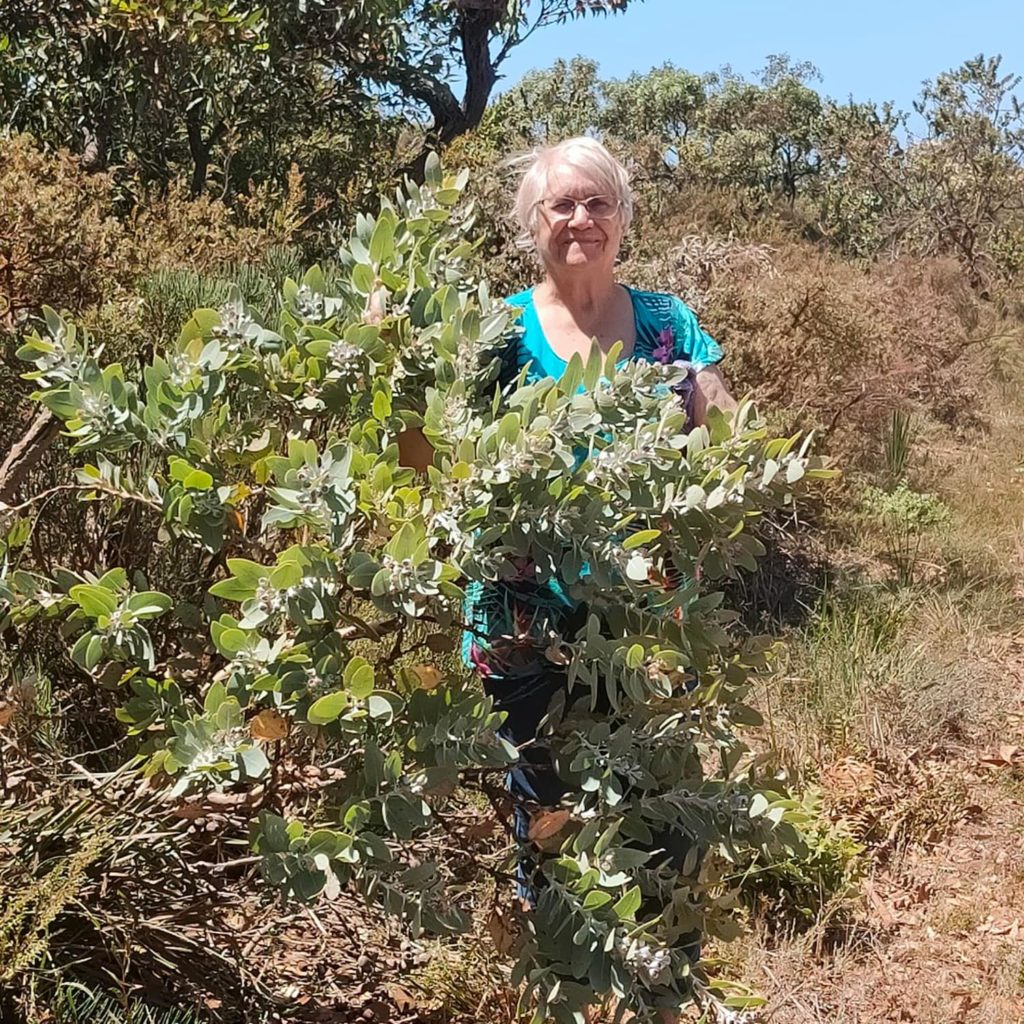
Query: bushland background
pixel 865 274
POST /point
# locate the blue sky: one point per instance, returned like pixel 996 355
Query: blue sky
pixel 868 50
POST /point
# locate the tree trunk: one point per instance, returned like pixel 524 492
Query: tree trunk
pixel 199 148
pixel 475 28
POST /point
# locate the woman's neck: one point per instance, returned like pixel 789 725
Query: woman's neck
pixel 583 295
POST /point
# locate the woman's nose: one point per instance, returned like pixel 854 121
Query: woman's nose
pixel 580 216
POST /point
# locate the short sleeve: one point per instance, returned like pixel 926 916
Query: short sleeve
pixel 693 343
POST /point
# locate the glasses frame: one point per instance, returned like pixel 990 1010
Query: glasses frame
pixel 559 217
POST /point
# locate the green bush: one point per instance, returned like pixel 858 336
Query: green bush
pixel 272 451
pixel 814 886
pixel 905 516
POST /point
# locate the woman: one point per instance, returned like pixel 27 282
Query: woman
pixel 574 206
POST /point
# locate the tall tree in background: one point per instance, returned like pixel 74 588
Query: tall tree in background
pixel 964 177
pixel 761 135
pixel 550 104
pixel 161 86
pixel 665 103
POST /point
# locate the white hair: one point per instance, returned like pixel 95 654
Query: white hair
pixel 582 154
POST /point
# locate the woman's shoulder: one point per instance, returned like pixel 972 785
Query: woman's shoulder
pixel 660 312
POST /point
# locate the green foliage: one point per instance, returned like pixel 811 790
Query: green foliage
pixel 234 91
pixel 666 104
pixel 31 905
pixel 905 516
pixel 547 106
pixel 77 1003
pixel 899 441
pixel 817 883
pixel 171 295
pixel 279 442
pixel 866 182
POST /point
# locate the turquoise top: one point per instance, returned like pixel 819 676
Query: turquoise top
pixel 666 330
pixel 654 313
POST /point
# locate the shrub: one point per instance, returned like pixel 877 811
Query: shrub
pixel 272 450
pixel 60 241
pixel 839 348
pixel 905 516
pixel 795 892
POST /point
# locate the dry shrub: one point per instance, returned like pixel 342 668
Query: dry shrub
pixel 838 348
pixel 694 262
pixel 60 242
pixel 63 244
pixel 893 803
pixel 175 230
pixel 667 209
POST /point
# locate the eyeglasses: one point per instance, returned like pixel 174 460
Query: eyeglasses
pixel 564 207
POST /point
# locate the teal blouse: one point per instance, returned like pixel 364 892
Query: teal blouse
pixel 660 319
pixel 666 330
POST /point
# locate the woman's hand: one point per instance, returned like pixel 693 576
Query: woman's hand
pixel 710 389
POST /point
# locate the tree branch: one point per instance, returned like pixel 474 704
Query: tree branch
pixel 27 453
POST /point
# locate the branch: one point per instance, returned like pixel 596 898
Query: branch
pixel 112 492
pixel 27 453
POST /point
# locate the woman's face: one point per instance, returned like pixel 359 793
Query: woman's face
pixel 578 241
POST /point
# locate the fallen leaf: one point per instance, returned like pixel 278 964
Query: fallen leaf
pixel 502 931
pixel 269 725
pixel 881 908
pixel 440 643
pixel 545 824
pixel 190 810
pixel 6 714
pixel 482 829
pixel 429 677
pixel 402 998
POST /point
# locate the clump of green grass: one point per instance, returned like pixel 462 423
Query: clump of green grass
pixel 823 697
pixel 470 980
pixel 898 445
pixel 876 673
pixel 77 1003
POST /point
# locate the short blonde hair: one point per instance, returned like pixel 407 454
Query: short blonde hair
pixel 581 153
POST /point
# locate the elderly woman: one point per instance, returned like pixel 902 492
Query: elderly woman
pixel 574 207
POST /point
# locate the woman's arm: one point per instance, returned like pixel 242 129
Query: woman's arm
pixel 710 389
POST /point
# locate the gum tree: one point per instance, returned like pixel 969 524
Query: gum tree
pixel 334 580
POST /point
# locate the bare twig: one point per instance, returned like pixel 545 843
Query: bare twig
pixel 112 492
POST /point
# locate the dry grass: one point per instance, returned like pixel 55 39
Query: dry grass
pixel 907 706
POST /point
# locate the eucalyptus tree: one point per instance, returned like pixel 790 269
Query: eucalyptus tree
pixel 169 88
